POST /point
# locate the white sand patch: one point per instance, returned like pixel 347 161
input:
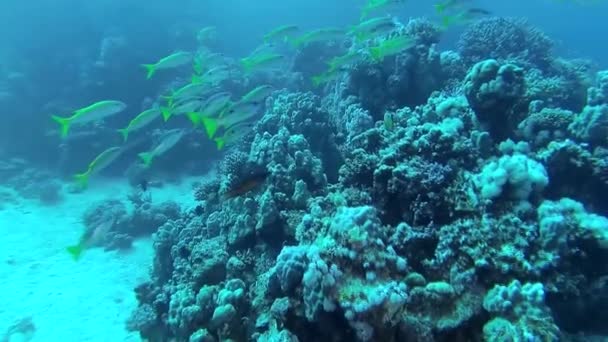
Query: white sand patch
pixel 88 300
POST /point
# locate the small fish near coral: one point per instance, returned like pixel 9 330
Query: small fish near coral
pixel 247 184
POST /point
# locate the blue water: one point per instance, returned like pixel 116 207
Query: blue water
pixel 56 42
pixel 351 165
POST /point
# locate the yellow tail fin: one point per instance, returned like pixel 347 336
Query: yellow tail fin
pixel 64 124
pixel 125 133
pixel 247 65
pixel 166 112
pixel 198 66
pixel 220 142
pixel 439 8
pixel 316 80
pixel 211 126
pixel 195 118
pixel 446 21
pixel 196 79
pixel 151 69
pixel 82 180
pixel 146 157
pixel 75 251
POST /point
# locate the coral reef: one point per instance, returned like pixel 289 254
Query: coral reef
pixel 507 40
pixel 433 196
pixel 404 80
pixel 140 218
pixel 31 182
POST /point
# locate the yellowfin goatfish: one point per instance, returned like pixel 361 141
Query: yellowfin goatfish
pixel 320 35
pixel 216 103
pixel 448 5
pixel 341 62
pixel 168 141
pixel 234 134
pixel 213 76
pixel 96 111
pixel 282 33
pixel 464 17
pixel 174 60
pixel 237 113
pixel 212 106
pixel 186 92
pixel 89 238
pixel 391 46
pixel 143 119
pixel 264 61
pixel 103 160
pixel 190 105
pixel 377 5
pixel 258 94
pixel 249 183
pixel 327 76
pixel 206 60
pixel 262 50
pixel 373 27
pixel 206 34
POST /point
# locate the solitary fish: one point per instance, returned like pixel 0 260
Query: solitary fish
pixel 103 160
pixel 89 238
pixel 143 119
pixel 247 184
pixel 174 60
pixel 96 111
pixel 168 141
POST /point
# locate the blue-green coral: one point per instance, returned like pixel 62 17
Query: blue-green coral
pixel 432 227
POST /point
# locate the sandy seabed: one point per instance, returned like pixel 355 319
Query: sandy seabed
pixel 47 296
